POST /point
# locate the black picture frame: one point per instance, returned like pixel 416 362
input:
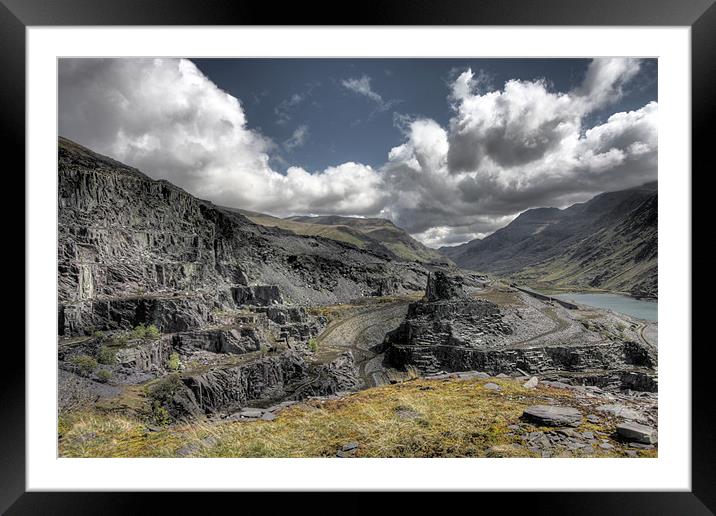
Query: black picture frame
pixel 700 15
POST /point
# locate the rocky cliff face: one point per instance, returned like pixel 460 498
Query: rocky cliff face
pixel 133 250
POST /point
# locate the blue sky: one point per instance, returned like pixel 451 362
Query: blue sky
pixel 448 149
pixel 280 96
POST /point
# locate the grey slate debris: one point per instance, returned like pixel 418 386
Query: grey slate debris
pixel 618 410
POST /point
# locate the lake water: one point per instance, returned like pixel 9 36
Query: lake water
pixel 642 309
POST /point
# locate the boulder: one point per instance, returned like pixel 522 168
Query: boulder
pixel 553 415
pixel 637 432
pixel 531 383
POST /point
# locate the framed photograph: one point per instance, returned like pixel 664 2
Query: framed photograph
pixel 423 251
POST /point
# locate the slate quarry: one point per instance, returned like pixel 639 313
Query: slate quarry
pixel 226 295
pixel 449 331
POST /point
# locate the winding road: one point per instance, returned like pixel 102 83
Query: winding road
pixel 359 331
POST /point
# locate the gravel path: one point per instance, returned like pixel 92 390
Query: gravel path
pixel 650 333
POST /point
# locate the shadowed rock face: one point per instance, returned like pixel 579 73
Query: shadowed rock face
pixel 445 318
pixel 259 295
pixel 285 376
pixel 442 287
pixel 229 341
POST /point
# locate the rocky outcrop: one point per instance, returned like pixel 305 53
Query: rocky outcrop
pixel 575 358
pixel 145 356
pixel 235 341
pixel 168 313
pixel 261 295
pixel 444 321
pixel 283 376
pixel 291 323
pixel 442 287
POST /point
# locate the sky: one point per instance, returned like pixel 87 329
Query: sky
pixel 448 149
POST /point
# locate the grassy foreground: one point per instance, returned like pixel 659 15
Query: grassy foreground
pixel 418 418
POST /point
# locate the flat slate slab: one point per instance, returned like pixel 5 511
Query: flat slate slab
pixel 637 432
pixel 557 385
pixel 251 412
pixel 553 415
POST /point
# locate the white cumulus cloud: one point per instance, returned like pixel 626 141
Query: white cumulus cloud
pixel 504 150
pixel 166 118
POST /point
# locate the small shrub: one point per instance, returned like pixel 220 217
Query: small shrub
pixel 138 332
pixel 174 362
pixel 145 332
pixel 165 389
pixel 162 394
pixel 83 364
pixel 98 334
pixel 160 414
pixel 152 332
pixel 104 375
pixel 313 345
pixel 106 356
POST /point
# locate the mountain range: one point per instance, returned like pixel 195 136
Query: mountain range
pixel 606 243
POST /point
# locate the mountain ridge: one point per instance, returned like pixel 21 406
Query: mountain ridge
pixel 608 242
pixel 377 235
